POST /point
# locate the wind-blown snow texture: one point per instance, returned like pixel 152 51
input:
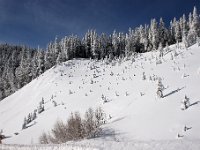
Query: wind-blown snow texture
pixel 139 120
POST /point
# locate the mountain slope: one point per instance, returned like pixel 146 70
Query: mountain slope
pixel 133 109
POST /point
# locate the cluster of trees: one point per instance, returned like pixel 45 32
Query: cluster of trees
pixel 32 116
pixel 76 127
pixel 141 39
pixel 19 64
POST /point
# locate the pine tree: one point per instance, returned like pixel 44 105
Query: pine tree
pixel 154 34
pixel 198 41
pixel 94 45
pixel 40 108
pixel 183 26
pixel 194 25
pixel 161 50
pixel 48 58
pixel 196 22
pixel 144 37
pixel 162 33
pixel 34 116
pixel 177 32
pixel 59 59
pixel 40 62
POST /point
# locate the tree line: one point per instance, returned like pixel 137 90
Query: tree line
pixel 20 64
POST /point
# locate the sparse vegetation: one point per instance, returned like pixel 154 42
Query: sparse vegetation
pixel 76 127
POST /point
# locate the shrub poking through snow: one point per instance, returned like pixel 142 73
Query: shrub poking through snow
pixel 111 73
pixel 185 103
pixel 143 76
pixel 54 103
pixel 160 89
pixel 104 98
pixel 76 127
pixel 1 136
pixel 44 138
pixel 116 93
pixel 70 92
pixel 42 101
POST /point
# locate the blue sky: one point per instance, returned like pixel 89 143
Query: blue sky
pixel 36 22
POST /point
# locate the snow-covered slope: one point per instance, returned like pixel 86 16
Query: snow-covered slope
pixel 133 109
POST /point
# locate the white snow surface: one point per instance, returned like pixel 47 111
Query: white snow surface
pixel 139 119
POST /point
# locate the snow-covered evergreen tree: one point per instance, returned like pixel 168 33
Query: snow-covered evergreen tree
pixel 161 50
pixel 40 108
pixel 177 32
pixel 34 116
pixel 154 34
pixel 24 123
pixel 163 37
pixel 194 25
pixel 196 22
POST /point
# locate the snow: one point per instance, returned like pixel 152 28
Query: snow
pixel 108 145
pixel 139 120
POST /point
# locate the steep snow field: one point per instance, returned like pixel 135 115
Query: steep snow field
pixel 136 117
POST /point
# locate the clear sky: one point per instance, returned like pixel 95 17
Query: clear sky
pixel 36 22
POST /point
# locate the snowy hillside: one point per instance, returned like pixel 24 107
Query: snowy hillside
pixel 129 86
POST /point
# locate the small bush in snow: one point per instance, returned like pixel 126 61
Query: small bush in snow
pixel 116 93
pixel 160 89
pixel 1 136
pixel 44 138
pixel 104 99
pixel 42 101
pixel 142 94
pixel 127 94
pixel 111 73
pixel 91 81
pixel 185 103
pixel 54 103
pixel 175 53
pixel 70 92
pixel 143 76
